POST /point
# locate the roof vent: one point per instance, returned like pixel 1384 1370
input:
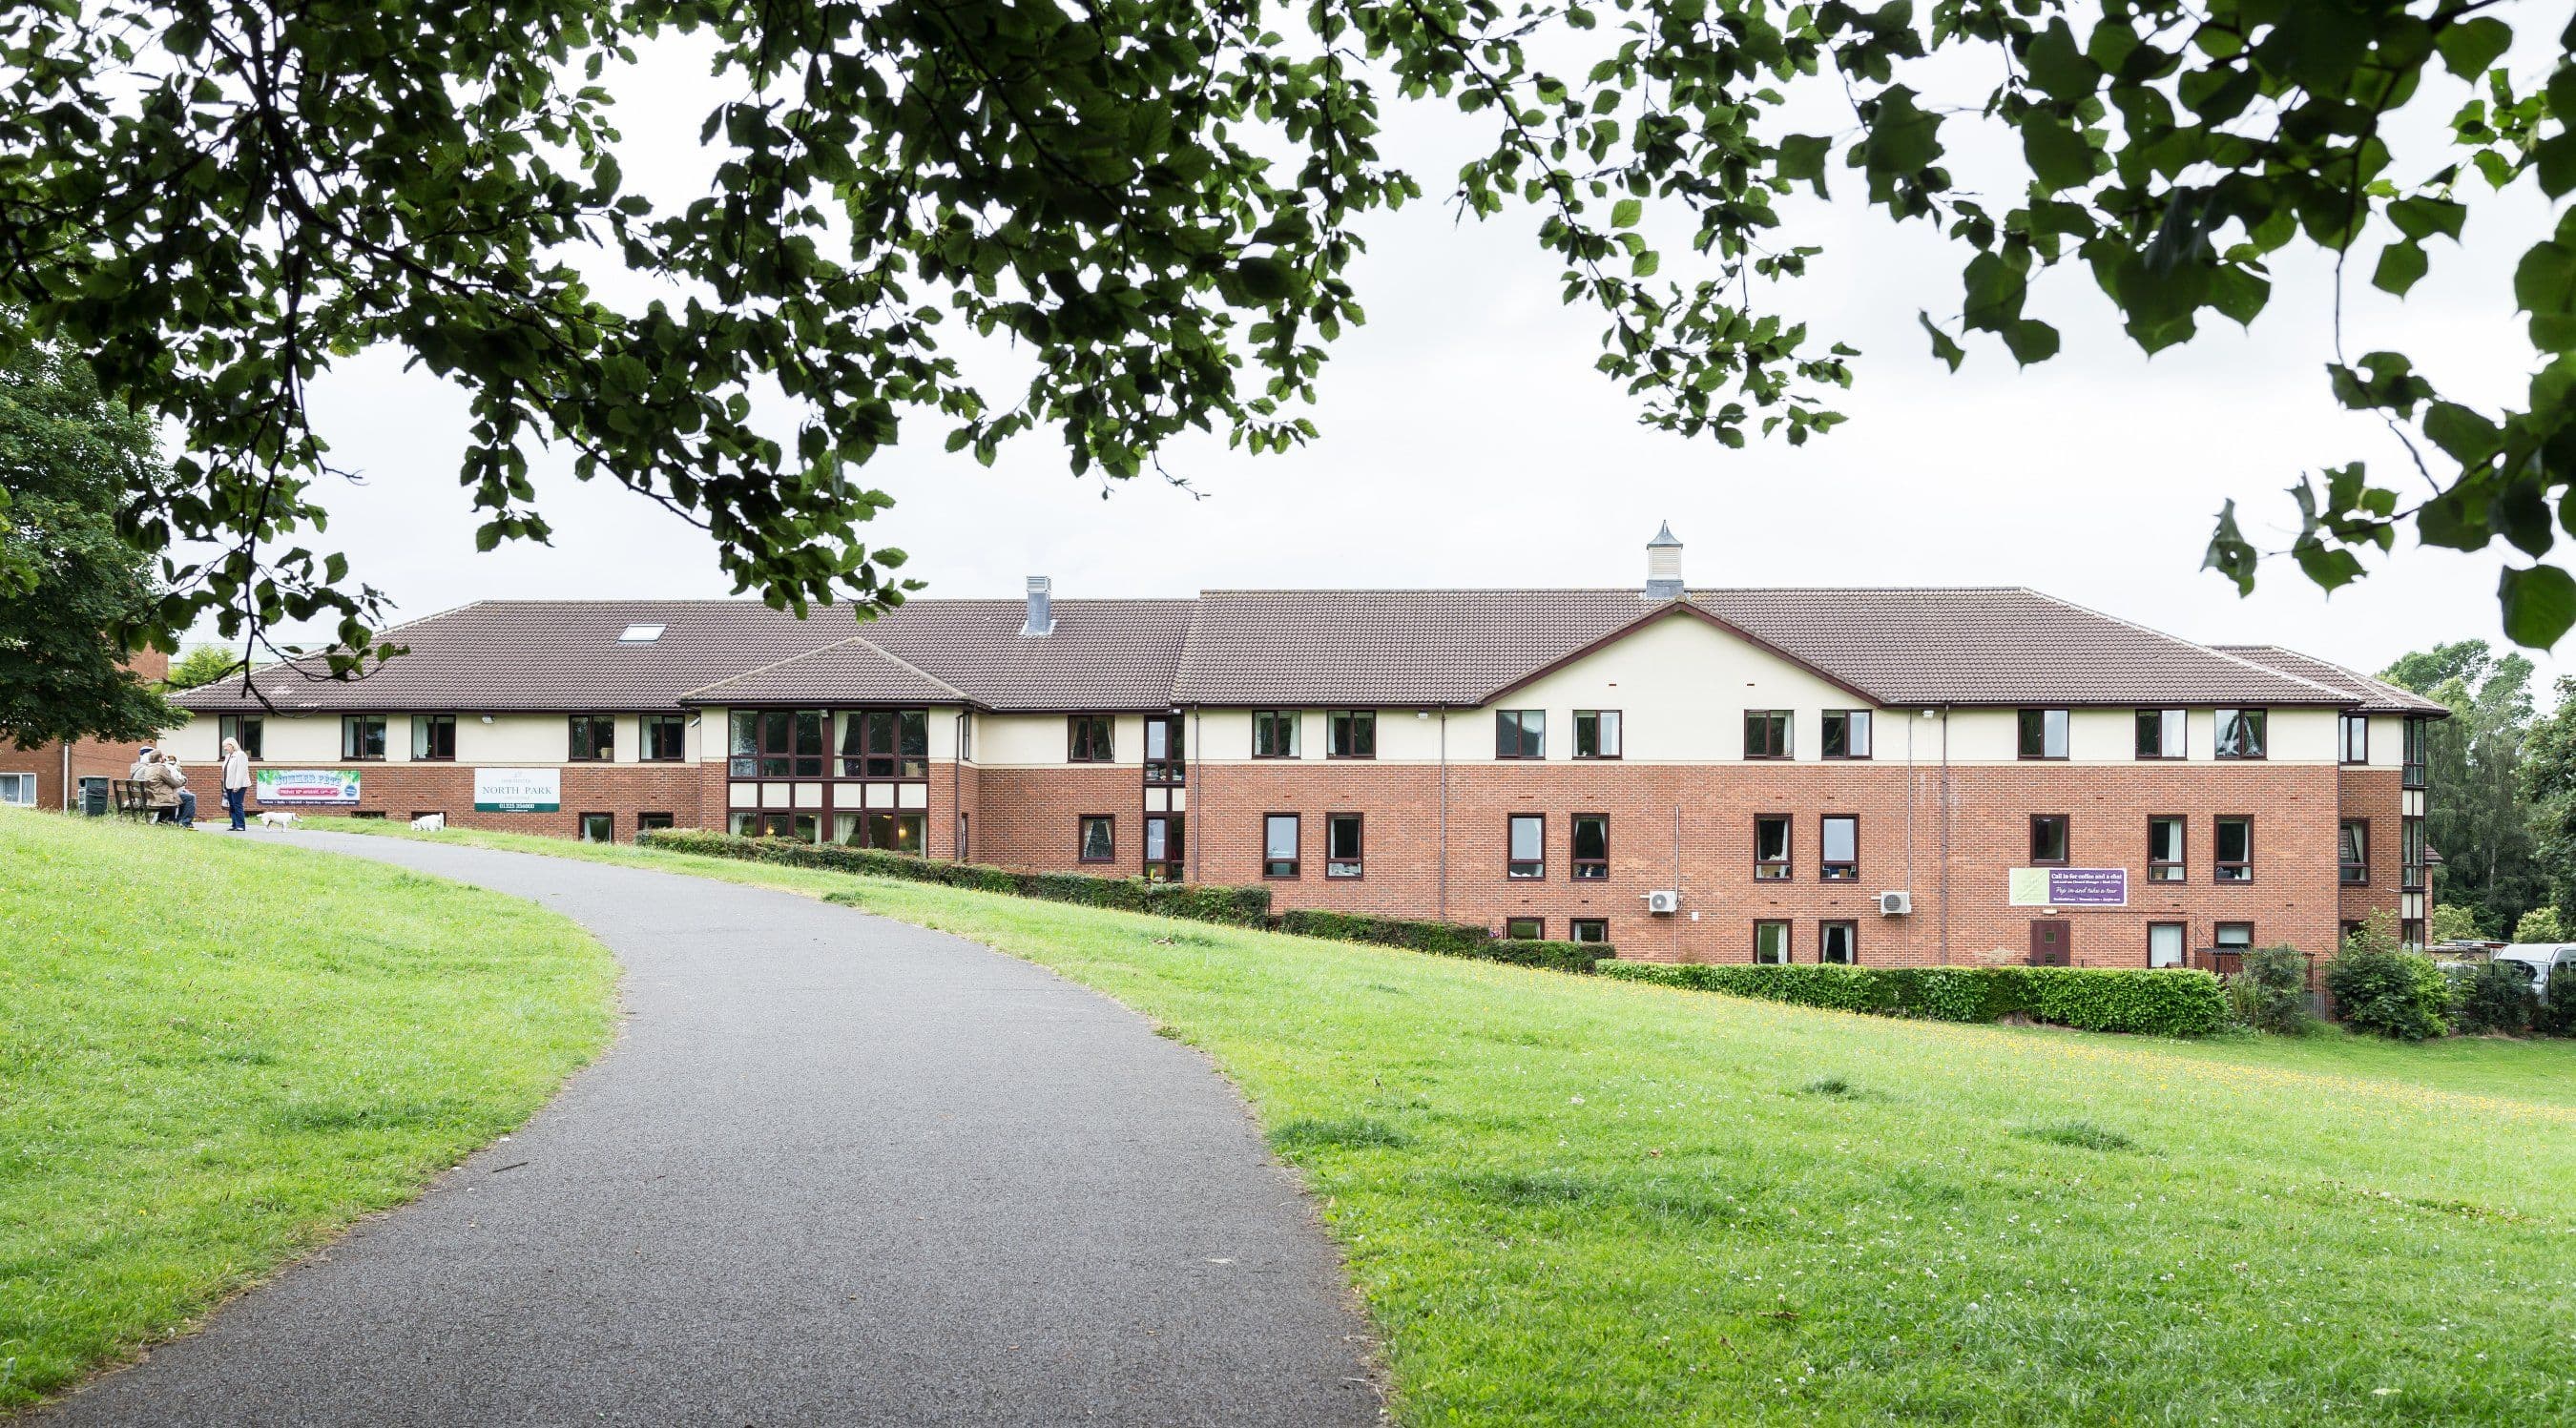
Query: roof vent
pixel 1041 615
pixel 1664 565
pixel 640 635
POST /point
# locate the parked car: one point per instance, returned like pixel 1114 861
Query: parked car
pixel 2547 965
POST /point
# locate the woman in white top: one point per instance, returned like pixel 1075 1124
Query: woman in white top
pixel 236 782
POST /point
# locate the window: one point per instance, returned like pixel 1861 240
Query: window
pixel 1766 733
pixel 639 634
pixel 2043 733
pixel 1088 739
pixel 1279 845
pixel 1096 837
pixel 362 736
pixel 1525 929
pixel 665 738
pixel 2410 934
pixel 1591 861
pixel 882 828
pixel 1838 942
pixel 2240 734
pixel 765 743
pixel 2164 944
pixel 1163 839
pixel 2048 838
pixel 1846 734
pixel 647 822
pixel 594 739
pixel 743 747
pixel 1351 734
pixel 2356 738
pixel 1166 754
pixel 1596 734
pixel 18 789
pixel 2234 856
pixel 2165 863
pixel 965 738
pixel 599 828
pixel 1274 733
pixel 1343 845
pixel 1771 944
pixel 433 737
pixel 1526 855
pixel 2233 934
pixel 377 815
pixel 2162 734
pixel 2414 753
pixel 2410 854
pixel 1588 929
pixel 803 827
pixel 242 729
pixel 1771 847
pixel 1841 844
pixel 1520 733
pixel 886 743
pixel 2352 852
pixel 964 848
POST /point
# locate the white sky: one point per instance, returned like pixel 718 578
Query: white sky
pixel 1467 441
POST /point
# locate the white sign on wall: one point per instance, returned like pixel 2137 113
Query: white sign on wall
pixel 518 790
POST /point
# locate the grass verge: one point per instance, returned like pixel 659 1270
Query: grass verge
pixel 216 1053
pixel 1567 1200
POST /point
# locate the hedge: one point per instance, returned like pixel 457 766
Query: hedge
pixel 2162 1003
pixel 1240 907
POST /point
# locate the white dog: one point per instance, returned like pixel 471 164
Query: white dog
pixel 277 820
pixel 429 823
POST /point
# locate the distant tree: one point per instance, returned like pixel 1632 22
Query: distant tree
pixel 2454 923
pixel 70 584
pixel 1160 206
pixel 203 665
pixel 2479 817
pixel 2539 925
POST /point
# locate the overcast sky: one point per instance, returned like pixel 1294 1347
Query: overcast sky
pixel 1467 441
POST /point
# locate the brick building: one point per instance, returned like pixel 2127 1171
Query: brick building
pixel 1893 776
pixel 50 776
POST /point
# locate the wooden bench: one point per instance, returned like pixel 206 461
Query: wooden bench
pixel 133 800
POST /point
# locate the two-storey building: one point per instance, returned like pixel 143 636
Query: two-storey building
pixel 1885 776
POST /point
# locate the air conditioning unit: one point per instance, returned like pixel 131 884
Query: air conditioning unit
pixel 1895 904
pixel 1664 900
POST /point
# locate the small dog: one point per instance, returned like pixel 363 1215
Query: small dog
pixel 429 823
pixel 277 820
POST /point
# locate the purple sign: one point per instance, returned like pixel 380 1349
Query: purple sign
pixel 2088 887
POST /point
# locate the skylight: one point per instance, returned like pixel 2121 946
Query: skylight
pixel 640 635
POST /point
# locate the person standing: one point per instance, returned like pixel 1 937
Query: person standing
pixel 236 783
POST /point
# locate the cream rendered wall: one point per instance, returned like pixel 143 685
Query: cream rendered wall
pixel 195 742
pixel 2387 741
pixel 307 739
pixel 2304 736
pixel 519 738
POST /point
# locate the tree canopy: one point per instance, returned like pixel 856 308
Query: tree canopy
pixel 68 460
pixel 1159 203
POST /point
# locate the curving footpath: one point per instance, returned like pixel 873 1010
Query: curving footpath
pixel 837 1170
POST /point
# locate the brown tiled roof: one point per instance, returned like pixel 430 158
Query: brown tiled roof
pixel 2374 696
pixel 1991 646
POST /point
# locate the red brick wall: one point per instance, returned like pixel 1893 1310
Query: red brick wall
pixel 90 758
pixel 2378 795
pixel 1028 818
pixel 2293 897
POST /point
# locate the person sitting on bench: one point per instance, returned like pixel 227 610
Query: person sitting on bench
pixel 168 790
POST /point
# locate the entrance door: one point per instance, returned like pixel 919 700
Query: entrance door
pixel 2051 944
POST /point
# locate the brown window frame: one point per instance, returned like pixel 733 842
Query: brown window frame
pixel 2021 733
pixel 1582 869
pixel 1078 750
pixel 1785 720
pixel 1165 869
pixel 1523 746
pixel 581 827
pixel 2218 867
pixel 2412 865
pixel 864 755
pixel 2345 869
pixel 1512 864
pixel 1574 929
pixel 250 731
pixel 1358 860
pixel 1296 863
pixel 1619 734
pixel 1828 870
pixel 2183 933
pixel 2181 866
pixel 2216 928
pixel 2262 733
pixel 384 738
pixel 1082 837
pixel 1340 724
pixel 644 727
pixel 1273 720
pixel 2344 728
pixel 431 723
pixel 1537 929
pixel 1824 735
pixel 1788 941
pixel 1171 768
pixel 644 823
pixel 1783 869
pixel 2162 754
pixel 1852 927
pixel 2065 837
pixel 573 725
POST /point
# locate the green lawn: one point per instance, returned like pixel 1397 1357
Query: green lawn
pixel 217 1052
pixel 1579 1201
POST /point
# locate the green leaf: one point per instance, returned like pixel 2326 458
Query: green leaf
pixel 1802 160
pixel 2539 604
pixel 2465 436
pixel 2059 157
pixel 1943 346
pixel 1626 212
pixel 2230 554
pixel 2400 265
pixel 2030 340
pixel 2471 46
